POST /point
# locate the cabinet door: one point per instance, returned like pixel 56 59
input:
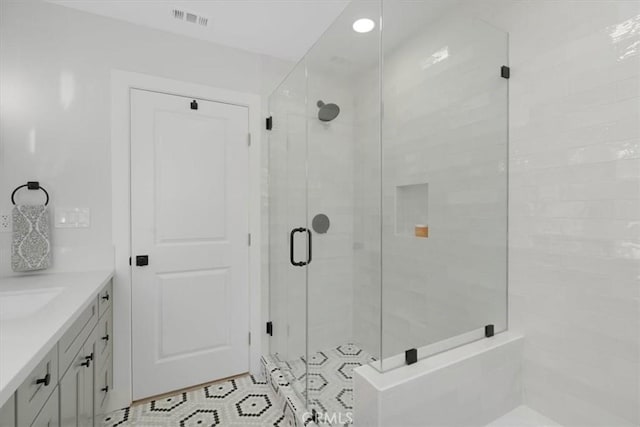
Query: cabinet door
pixel 104 367
pixel 102 391
pixel 8 413
pixel 34 391
pixel 48 416
pixel 74 399
pixel 88 379
pixel 104 340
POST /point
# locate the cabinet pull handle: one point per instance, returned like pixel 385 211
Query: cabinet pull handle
pixel 105 297
pixel 46 380
pixel 105 389
pixel 106 337
pixel 87 360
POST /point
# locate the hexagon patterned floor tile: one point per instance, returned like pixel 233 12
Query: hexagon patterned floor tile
pixel 243 401
pixel 329 378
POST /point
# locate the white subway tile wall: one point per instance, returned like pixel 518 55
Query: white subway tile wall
pixel 574 264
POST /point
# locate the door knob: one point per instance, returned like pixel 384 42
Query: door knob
pixel 142 260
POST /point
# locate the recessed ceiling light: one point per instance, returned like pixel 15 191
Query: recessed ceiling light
pixel 363 25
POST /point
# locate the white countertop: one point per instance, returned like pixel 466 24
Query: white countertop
pixel 29 331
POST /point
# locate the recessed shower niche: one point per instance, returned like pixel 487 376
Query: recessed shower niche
pixel 412 210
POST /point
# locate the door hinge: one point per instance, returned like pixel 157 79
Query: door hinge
pixel 249 338
pixel 269 123
pixel 270 328
pixel 505 72
pixel 249 239
pixel 249 140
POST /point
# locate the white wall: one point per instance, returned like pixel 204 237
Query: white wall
pixel 55 82
pixel 55 120
pixel 574 264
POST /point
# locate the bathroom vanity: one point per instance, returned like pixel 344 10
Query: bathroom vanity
pixel 56 340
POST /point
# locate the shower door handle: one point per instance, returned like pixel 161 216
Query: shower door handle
pixel 292 247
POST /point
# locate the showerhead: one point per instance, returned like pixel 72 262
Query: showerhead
pixel 327 112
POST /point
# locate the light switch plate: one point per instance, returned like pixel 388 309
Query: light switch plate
pixel 73 218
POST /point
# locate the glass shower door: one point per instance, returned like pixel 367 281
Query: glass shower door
pixel 287 229
pixel 343 145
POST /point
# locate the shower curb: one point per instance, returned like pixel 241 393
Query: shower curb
pixel 294 413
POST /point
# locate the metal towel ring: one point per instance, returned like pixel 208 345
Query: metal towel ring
pixel 31 185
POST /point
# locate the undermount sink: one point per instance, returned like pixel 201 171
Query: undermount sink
pixel 18 304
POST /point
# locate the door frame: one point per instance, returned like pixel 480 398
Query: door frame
pixel 121 84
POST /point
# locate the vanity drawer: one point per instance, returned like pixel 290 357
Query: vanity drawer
pixel 34 391
pixel 104 338
pixel 105 298
pixel 76 335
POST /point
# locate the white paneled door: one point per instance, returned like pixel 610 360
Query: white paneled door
pixel 189 227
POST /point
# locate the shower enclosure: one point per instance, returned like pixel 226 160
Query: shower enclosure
pixel 387 195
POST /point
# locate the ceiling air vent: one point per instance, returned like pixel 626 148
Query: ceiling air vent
pixel 190 17
pixel 178 14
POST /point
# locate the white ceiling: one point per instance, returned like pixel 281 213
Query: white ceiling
pixel 344 52
pixel 282 28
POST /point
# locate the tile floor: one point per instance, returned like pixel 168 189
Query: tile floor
pixel 251 401
pixel 243 401
pixel 330 379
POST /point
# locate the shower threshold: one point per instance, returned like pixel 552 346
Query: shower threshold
pixel 329 379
